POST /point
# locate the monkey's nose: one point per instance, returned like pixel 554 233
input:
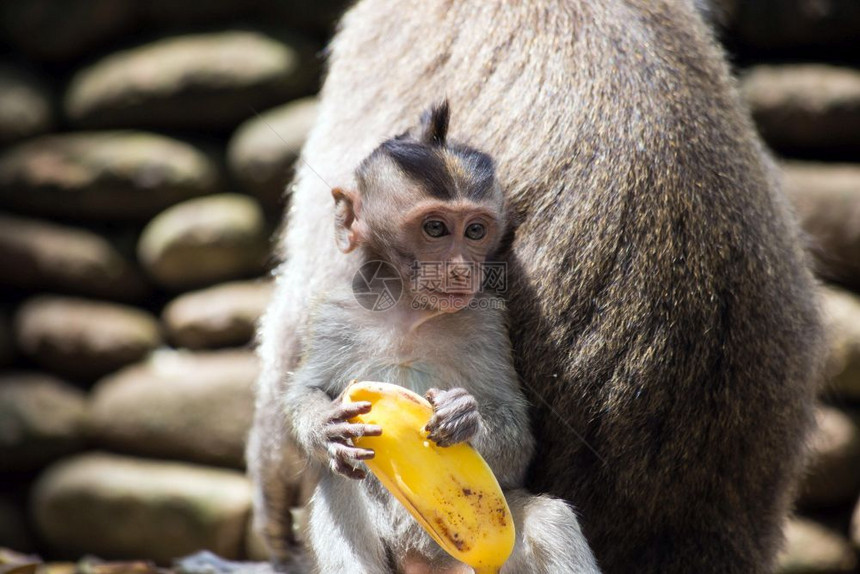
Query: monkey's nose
pixel 461 272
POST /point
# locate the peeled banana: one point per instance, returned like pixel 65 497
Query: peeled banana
pixel 450 491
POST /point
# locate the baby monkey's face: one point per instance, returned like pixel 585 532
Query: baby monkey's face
pixel 445 246
pixel 432 210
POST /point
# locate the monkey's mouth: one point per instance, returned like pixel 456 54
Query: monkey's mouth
pixel 451 292
pixel 448 301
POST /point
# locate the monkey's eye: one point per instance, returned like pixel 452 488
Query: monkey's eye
pixel 435 228
pixel 476 231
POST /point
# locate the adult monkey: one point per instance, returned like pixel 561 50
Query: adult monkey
pixel 663 319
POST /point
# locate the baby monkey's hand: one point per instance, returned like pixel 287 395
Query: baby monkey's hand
pixel 455 416
pixel 344 457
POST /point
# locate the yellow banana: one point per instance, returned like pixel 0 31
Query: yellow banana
pixel 450 491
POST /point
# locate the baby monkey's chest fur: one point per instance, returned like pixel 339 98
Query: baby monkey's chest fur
pixel 431 355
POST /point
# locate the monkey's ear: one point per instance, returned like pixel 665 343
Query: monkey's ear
pixel 434 124
pixel 346 225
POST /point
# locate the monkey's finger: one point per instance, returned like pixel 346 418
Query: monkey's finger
pixel 463 406
pixel 346 460
pixel 432 425
pixel 361 430
pixel 349 410
pixel 348 470
pixel 442 422
pixel 358 430
pixel 343 431
pixel 448 436
pixel 441 440
pixel 445 431
pixel 340 451
pixel 431 395
pixel 363 454
pixel 438 422
pixel 435 429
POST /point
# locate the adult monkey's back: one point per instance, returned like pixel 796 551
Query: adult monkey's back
pixel 663 319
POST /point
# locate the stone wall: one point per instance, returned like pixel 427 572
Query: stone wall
pixel 143 150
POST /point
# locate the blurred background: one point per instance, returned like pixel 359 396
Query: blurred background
pixel 144 147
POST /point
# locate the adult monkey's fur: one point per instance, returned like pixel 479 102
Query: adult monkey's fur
pixel 660 301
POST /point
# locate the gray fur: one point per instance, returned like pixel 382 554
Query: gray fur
pixel 460 360
pixel 545 523
pixel 661 306
pixel 357 526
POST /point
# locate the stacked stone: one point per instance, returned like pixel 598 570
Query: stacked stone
pixel 144 152
pixel 800 75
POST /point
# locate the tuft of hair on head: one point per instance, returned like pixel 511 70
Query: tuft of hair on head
pixel 434 124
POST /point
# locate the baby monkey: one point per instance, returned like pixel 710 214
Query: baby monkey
pixel 424 217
